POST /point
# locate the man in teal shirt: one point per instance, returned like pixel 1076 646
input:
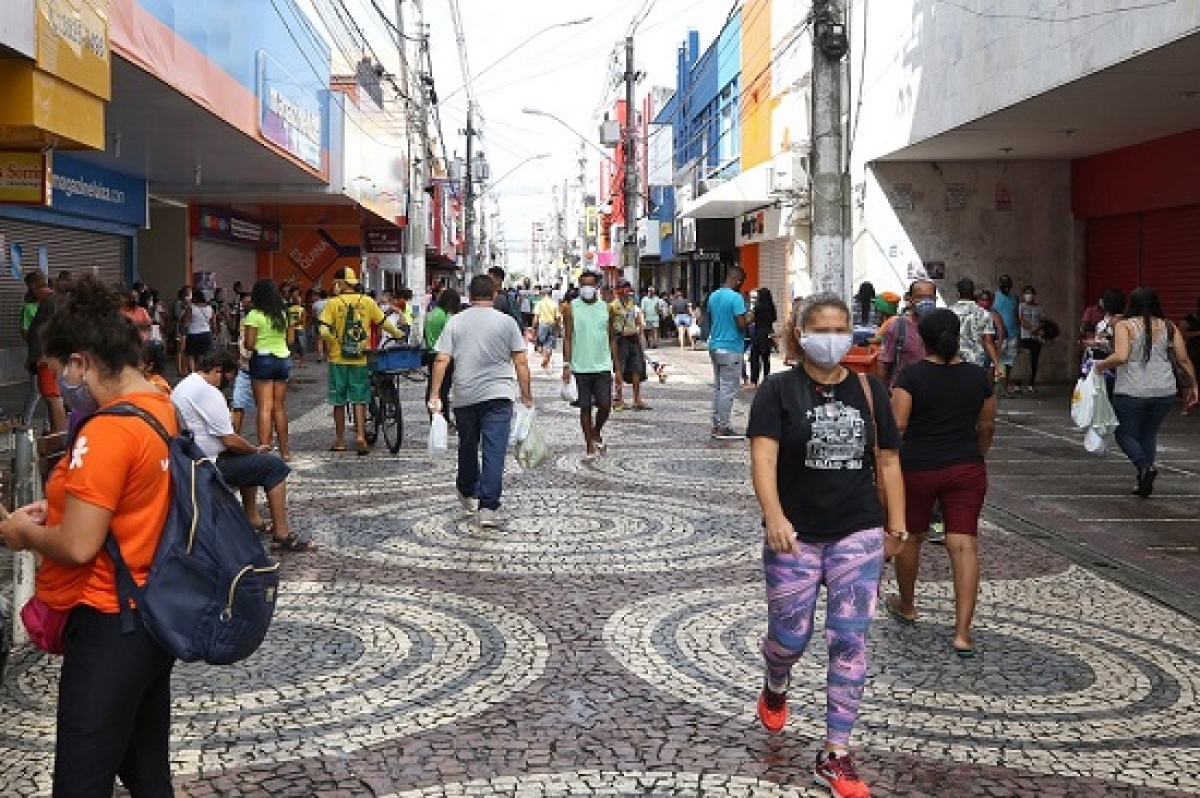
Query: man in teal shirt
pixel 728 317
pixel 590 353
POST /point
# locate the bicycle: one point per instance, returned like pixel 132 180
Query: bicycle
pixel 384 413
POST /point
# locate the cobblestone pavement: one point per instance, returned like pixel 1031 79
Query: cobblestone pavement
pixel 605 644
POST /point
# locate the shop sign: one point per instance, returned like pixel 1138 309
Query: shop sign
pixel 289 116
pixel 72 43
pixel 24 178
pixel 220 224
pixel 82 189
pixel 382 240
pixel 761 225
pixel 313 255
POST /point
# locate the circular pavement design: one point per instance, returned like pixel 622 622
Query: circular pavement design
pixel 548 532
pixel 346 665
pixel 712 470
pixel 606 783
pixel 1031 680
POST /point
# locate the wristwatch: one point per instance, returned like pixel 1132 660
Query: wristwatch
pixel 899 534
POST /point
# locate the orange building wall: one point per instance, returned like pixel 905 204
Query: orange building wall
pixel 757 104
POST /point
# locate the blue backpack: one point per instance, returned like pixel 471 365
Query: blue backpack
pixel 210 594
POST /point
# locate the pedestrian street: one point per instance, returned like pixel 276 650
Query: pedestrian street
pixel 606 643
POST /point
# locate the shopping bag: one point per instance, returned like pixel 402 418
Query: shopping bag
pixel 439 434
pixel 522 421
pixel 1083 400
pixel 569 392
pixel 1104 417
pixel 532 451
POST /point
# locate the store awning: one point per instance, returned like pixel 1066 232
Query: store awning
pixel 747 192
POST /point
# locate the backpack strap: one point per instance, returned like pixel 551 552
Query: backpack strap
pixel 128 591
pixel 880 488
pixel 897 351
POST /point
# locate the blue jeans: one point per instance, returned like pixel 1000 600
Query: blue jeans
pixel 727 372
pixel 485 423
pixel 1140 419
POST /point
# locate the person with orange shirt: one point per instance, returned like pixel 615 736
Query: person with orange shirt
pixel 114 696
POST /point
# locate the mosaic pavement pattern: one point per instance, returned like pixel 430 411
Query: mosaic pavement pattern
pixel 605 644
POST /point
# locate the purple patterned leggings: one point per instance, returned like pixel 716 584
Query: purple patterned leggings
pixel 850 569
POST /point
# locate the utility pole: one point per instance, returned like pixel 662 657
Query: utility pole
pixel 829 224
pixel 469 195
pixel 629 250
pixel 418 155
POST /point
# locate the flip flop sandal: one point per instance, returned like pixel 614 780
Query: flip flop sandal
pixel 263 529
pixel 363 449
pixel 965 653
pixel 292 543
pixel 892 610
pixel 337 448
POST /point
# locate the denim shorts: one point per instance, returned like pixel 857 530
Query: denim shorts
pixel 243 393
pixel 268 368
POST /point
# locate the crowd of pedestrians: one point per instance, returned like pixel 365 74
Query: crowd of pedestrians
pixel 849 469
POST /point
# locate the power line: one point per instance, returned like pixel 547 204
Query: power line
pixel 1053 18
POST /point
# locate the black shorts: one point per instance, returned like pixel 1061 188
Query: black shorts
pixel 632 357
pixel 198 344
pixel 595 390
pixel 244 470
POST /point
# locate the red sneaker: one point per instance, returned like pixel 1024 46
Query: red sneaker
pixel 838 774
pixel 772 709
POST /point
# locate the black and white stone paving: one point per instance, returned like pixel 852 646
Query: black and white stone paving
pixel 547 532
pixel 605 642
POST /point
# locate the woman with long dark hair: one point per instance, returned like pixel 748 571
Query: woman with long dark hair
pixel 1145 389
pixel 267 334
pixel 199 320
pixel 449 302
pixel 114 691
pixel 761 341
pixel 946 411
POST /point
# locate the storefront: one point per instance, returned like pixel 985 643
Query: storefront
pixel 90 227
pixel 765 245
pixel 226 246
pixel 1142 210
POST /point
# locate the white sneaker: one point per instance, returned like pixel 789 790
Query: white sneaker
pixel 491 519
pixel 470 505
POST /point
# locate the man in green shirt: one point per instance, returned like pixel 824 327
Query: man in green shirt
pixel 349 378
pixel 590 353
pixel 449 302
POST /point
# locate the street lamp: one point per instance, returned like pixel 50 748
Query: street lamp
pixel 583 138
pixel 517 49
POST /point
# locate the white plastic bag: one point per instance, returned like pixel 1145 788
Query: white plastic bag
pixel 532 451
pixel 570 391
pixel 694 331
pixel 439 434
pixel 1083 400
pixel 1094 442
pixel 1104 418
pixel 521 423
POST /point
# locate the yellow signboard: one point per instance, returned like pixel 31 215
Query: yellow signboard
pixel 72 43
pixel 24 178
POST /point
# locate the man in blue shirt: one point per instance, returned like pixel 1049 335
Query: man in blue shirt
pixel 728 317
pixel 1005 304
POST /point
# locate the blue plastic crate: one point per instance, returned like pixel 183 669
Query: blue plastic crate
pixel 399 358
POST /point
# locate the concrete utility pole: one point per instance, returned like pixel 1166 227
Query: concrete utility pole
pixel 412 55
pixel 829 225
pixel 469 195
pixel 629 250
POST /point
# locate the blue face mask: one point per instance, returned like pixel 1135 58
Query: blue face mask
pixel 924 306
pixel 77 398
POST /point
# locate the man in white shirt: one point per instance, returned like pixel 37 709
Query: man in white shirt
pixel 244 466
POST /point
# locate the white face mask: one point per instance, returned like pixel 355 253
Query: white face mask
pixel 826 350
pixel 587 293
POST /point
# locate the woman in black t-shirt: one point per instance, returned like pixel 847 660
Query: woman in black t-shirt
pixel 946 411
pixel 814 431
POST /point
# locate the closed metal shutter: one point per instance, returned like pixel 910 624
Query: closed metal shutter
pixel 773 272
pixel 1113 255
pixel 1160 249
pixel 77 251
pixel 1171 257
pixel 229 264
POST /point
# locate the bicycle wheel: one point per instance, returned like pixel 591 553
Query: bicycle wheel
pixel 390 416
pixel 371 425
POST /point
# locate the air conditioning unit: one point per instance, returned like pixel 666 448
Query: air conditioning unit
pixel 610 133
pixel 790 174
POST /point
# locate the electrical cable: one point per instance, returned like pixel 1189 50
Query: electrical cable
pixel 1056 19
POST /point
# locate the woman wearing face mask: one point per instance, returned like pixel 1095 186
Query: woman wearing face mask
pixel 946 411
pixel 821 438
pixel 1030 316
pixel 114 695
